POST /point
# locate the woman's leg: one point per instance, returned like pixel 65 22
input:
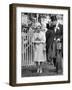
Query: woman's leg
pixel 38 66
pixel 41 67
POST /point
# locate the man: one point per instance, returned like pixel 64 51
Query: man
pixel 59 51
pixel 49 41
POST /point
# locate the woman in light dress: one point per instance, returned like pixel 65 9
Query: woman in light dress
pixel 39 47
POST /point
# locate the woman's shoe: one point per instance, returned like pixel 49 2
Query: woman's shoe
pixel 38 70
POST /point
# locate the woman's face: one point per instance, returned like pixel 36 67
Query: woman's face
pixel 38 29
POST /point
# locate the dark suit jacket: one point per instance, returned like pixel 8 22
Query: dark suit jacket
pixel 49 37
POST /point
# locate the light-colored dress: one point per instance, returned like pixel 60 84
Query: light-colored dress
pixel 39 45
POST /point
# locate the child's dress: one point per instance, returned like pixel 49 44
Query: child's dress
pixel 39 43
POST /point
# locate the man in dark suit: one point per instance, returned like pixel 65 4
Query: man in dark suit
pixel 59 51
pixel 49 40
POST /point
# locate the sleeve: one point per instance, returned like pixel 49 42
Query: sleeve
pixel 33 38
pixel 43 38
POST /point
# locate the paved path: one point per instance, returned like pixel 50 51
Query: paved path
pixel 48 70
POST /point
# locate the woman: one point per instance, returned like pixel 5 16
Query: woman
pixel 39 45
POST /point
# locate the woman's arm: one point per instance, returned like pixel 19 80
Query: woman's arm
pixel 43 37
pixel 37 42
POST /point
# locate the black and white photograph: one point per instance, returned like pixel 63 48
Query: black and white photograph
pixel 41 44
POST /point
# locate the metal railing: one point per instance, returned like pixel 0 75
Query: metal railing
pixel 27 53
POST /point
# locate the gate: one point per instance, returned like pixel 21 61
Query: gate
pixel 27 46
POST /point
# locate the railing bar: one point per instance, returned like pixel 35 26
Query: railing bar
pixel 27 50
